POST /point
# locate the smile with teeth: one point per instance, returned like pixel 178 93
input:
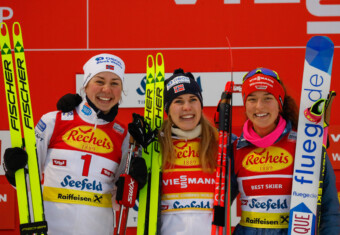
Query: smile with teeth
pixel 104 98
pixel 187 116
pixel 260 114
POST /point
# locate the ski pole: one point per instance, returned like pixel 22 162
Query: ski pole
pixel 327 114
pixel 124 211
pixel 223 164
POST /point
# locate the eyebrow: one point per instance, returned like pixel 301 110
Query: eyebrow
pixel 110 78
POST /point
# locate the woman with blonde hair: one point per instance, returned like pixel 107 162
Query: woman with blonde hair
pixel 189 146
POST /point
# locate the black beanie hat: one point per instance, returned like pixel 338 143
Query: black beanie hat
pixel 178 84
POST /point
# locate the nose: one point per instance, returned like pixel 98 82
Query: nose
pixel 106 88
pixel 186 106
pixel 259 103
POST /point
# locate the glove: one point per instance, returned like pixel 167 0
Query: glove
pixel 141 131
pixel 14 159
pixel 129 184
pixel 68 102
pixel 126 190
pixel 138 171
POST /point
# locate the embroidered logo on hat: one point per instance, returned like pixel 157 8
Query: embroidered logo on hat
pixel 111 67
pixel 179 88
pixel 103 63
pixel 177 80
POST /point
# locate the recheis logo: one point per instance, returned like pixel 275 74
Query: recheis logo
pixel 187 153
pixel 88 139
pixel 267 159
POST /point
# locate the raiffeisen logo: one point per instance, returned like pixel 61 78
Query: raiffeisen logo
pixel 267 159
pixel 88 139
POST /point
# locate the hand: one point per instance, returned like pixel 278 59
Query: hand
pixel 138 171
pixel 126 190
pixel 141 131
pixel 68 102
pixel 14 159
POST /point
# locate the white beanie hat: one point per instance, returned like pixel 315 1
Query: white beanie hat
pixel 103 63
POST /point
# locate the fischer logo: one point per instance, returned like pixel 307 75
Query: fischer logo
pixel 131 190
pixel 11 97
pixel 59 162
pixel 88 139
pixel 81 185
pixel 268 205
pixel 267 159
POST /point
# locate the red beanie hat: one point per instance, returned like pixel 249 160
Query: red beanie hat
pixel 262 79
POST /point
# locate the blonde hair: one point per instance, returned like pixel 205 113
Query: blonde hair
pixel 207 150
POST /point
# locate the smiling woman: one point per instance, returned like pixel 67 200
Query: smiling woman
pixel 189 150
pixel 263 160
pixel 104 90
pixel 81 152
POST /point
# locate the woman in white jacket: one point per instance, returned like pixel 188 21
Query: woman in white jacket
pixel 80 151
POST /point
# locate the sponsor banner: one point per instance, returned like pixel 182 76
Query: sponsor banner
pixel 212 85
pixel 272 204
pixel 87 138
pixel 334 146
pixel 268 159
pixel 77 197
pixel 303 222
pixel 180 182
pixel 267 186
pixel 7 206
pixel 265 220
pixel 184 201
pixel 5 142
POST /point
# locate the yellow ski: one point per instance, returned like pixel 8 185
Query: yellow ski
pixel 37 224
pixel 149 196
pixel 144 196
pixel 156 166
pixel 14 120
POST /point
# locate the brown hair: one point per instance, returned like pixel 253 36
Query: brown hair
pixel 290 109
pixel 208 144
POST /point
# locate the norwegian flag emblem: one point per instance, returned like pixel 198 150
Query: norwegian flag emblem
pixel 179 88
pixel 110 67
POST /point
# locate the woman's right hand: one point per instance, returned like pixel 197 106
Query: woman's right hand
pixel 68 102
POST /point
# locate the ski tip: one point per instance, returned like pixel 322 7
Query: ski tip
pixel 319 53
pixel 16 29
pixel 3 29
